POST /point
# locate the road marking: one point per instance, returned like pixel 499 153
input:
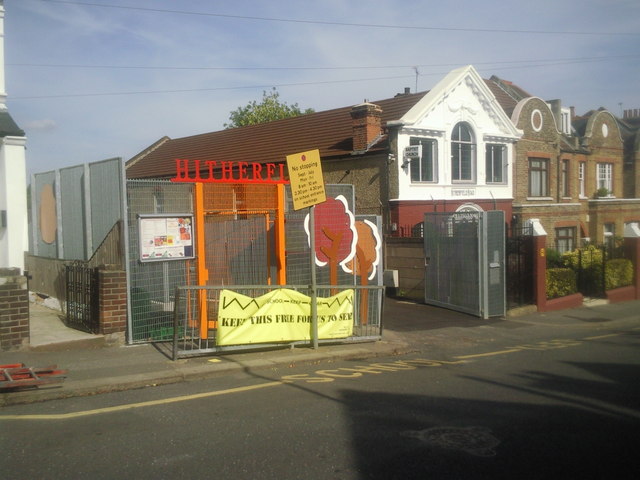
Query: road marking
pixel 489 354
pixel 324 376
pixel 129 406
pixel 602 336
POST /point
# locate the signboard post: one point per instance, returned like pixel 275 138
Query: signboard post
pixel 307 190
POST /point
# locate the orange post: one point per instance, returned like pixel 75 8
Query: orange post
pixel 203 273
pixel 281 253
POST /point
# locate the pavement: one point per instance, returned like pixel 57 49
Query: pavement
pixel 95 366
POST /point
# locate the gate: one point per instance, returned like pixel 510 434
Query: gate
pixel 82 297
pixel 464 262
pixel 519 267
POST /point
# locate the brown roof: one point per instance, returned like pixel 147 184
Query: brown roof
pixel 329 131
pixel 505 96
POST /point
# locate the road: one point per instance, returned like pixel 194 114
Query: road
pixel 565 405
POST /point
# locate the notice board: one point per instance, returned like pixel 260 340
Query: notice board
pixel 164 237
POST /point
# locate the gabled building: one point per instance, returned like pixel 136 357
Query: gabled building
pixel 455 150
pixel 569 172
pixel 444 150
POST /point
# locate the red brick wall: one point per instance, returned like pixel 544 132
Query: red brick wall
pixel 14 310
pixel 113 300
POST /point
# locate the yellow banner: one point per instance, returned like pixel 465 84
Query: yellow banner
pixel 281 315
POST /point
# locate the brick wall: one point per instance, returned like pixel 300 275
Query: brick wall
pixel 14 310
pixel 113 300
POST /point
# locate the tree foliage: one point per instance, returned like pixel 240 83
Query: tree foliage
pixel 271 108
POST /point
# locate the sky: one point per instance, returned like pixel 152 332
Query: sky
pixel 94 79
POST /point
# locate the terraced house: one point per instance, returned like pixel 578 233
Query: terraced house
pixel 569 172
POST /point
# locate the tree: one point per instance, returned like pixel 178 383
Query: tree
pixel 266 111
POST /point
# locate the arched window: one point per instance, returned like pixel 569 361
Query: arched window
pixel 463 153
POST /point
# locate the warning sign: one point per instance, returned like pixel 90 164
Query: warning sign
pixel 305 175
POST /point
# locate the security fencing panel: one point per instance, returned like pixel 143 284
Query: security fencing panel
pixel 464 262
pixel 191 302
pixel 330 219
pixel 152 282
pixel 73 209
pixel 494 264
pixel 452 276
pixel 44 216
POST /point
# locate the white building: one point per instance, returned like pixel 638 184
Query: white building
pixel 13 179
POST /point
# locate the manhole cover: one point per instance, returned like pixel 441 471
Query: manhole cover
pixel 476 441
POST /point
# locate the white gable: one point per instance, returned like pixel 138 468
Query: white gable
pixel 461 98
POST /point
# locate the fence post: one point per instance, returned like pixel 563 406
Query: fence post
pixel 539 263
pixel 112 294
pixel 14 310
pixel 632 250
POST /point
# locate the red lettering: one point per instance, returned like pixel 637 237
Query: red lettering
pixel 242 168
pixel 271 168
pixel 227 171
pixel 223 172
pixel 257 171
pixel 182 170
pixel 197 179
pixel 210 165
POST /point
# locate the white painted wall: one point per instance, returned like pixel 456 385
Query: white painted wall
pixel 14 240
pixel 462 96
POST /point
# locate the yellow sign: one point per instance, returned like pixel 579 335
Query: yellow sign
pixel 281 315
pixel 305 176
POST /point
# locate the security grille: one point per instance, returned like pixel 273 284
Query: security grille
pixel 152 284
pixel 464 261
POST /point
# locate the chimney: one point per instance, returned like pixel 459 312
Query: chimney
pixel 366 124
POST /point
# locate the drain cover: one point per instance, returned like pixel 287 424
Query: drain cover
pixel 476 441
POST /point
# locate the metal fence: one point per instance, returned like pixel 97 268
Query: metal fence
pixel 82 297
pixel 519 258
pixel 189 339
pixel 74 208
pixel 152 284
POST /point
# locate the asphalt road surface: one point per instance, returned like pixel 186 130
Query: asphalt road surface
pixel 561 407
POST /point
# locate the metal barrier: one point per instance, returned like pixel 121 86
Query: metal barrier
pixel 82 297
pixel 191 339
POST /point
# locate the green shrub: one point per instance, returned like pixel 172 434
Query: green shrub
pixel 585 257
pixel 560 282
pixel 618 273
pixel 554 258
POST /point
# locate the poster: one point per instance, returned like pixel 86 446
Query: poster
pixel 166 238
pixel 282 315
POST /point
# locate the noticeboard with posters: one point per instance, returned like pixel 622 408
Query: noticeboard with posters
pixel 164 237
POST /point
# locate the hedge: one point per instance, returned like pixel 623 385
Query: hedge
pixel 618 273
pixel 560 282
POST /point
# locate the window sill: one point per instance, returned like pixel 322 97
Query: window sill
pixel 537 199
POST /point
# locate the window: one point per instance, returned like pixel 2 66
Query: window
pixel 463 152
pixel 565 239
pixel 564 179
pixel 495 163
pixel 423 169
pixel 581 178
pixel 605 176
pixel 538 177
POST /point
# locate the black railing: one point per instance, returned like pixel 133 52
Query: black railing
pixel 82 297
